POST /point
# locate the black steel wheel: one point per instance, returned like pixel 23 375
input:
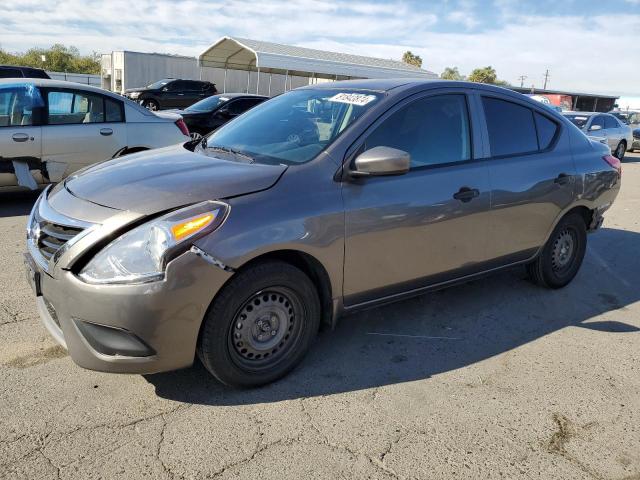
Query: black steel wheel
pixel 260 325
pixel 561 257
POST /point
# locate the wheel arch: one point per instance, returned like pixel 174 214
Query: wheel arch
pixel 312 267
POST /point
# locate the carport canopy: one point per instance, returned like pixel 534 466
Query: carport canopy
pixel 254 55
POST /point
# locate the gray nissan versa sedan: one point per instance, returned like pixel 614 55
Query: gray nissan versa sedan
pixel 324 200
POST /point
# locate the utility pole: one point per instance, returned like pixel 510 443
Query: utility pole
pixel 522 78
pixel 546 79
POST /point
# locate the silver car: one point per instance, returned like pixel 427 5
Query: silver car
pixel 322 201
pixel 49 129
pixel 604 125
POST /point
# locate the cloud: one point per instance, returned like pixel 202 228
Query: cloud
pixel 590 53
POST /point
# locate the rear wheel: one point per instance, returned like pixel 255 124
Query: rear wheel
pixel 562 255
pixel 620 150
pixel 260 325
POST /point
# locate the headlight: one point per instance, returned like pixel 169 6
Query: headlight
pixel 134 94
pixel 140 255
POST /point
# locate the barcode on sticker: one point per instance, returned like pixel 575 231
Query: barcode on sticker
pixel 359 99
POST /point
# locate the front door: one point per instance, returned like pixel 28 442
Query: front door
pixel 20 136
pixel 428 225
pixel 81 128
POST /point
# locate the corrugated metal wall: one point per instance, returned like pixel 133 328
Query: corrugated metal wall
pixel 242 81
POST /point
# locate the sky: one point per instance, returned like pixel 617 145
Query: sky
pixel 586 45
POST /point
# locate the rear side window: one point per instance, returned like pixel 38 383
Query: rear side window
pixel 547 130
pixel 511 127
pixel 610 122
pixel 433 130
pixel 113 110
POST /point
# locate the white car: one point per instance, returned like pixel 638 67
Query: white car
pixel 50 129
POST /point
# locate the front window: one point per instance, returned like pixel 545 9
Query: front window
pixel 578 120
pixel 207 104
pixel 17 103
pixel 292 128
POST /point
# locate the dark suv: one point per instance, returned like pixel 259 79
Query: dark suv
pixel 171 93
pixel 12 71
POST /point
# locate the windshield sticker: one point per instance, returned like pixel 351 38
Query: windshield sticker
pixel 358 99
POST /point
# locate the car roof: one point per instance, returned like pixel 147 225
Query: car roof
pixel 43 82
pixel 585 114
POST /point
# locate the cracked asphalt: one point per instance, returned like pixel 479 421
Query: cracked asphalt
pixel 492 379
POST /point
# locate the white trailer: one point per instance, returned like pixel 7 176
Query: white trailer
pixel 123 69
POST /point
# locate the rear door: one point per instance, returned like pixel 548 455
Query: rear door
pixel 81 128
pixel 428 225
pixel 532 176
pixel 20 135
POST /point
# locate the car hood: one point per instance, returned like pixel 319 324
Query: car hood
pixel 157 180
pixel 139 89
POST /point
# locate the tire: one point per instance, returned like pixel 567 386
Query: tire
pixel 152 105
pixel 562 255
pixel 260 325
pixel 621 149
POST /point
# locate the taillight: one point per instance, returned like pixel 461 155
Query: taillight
pixel 613 163
pixel 183 127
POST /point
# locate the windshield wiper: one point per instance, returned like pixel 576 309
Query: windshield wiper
pixel 217 148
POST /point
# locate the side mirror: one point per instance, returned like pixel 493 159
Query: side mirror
pixel 381 161
pixel 595 128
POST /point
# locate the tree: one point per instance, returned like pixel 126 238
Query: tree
pixel 412 59
pixel 451 73
pixel 57 58
pixel 486 75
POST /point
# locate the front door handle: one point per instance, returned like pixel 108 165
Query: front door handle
pixel 105 132
pixel 466 194
pixel 562 179
pixel 21 137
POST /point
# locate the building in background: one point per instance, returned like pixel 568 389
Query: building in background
pixel 577 101
pixel 249 66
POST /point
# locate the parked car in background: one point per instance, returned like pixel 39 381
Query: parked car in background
pixel 636 139
pixel 327 199
pixel 171 93
pixel 49 129
pixel 12 71
pixel 605 125
pixel 211 113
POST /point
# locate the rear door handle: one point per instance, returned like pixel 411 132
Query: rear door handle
pixel 20 137
pixel 105 132
pixel 562 179
pixel 466 194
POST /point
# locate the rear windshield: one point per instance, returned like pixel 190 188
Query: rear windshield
pixel 207 104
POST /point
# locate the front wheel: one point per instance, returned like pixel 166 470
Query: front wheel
pixel 260 325
pixel 152 105
pixel 562 255
pixel 620 150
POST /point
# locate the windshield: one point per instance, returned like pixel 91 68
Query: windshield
pixel 292 128
pixel 578 120
pixel 207 104
pixel 158 84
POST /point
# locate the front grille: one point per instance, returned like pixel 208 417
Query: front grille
pixel 48 232
pixel 53 237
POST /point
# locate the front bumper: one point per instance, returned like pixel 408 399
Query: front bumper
pixel 636 144
pixel 163 316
